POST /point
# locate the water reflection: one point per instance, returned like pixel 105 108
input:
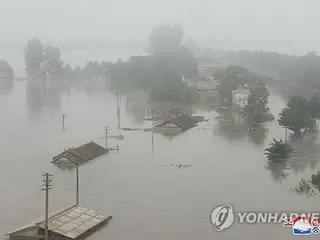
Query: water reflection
pixel 305 156
pixel 306 152
pixel 42 96
pixel 89 86
pixel 6 86
pixel 231 125
pixel 259 135
pixel 278 171
pixel 137 106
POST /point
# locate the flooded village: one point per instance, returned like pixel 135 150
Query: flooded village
pixel 123 158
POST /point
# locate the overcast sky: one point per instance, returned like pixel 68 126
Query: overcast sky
pixel 81 27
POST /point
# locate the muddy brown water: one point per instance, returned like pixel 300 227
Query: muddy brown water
pixel 147 199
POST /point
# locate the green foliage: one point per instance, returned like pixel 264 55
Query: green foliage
pixel 297 115
pixel 171 91
pixel 33 57
pixel 165 38
pixel 232 78
pixel 305 188
pixel 257 108
pixel 315 180
pixel 278 151
pixel 52 64
pixel 6 72
pixel 161 72
pixel 309 188
pixel 300 69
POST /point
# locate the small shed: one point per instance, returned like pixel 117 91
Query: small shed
pixel 81 154
pixel 75 222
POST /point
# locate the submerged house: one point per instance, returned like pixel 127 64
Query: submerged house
pixel 81 154
pixel 240 97
pixel 175 125
pixel 75 222
pixel 204 89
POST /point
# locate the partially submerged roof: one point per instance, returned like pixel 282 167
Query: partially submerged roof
pixel 183 121
pixel 72 223
pixel 81 154
pixel 241 90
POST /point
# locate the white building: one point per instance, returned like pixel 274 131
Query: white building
pixel 240 97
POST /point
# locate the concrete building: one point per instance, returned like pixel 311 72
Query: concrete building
pixel 205 90
pixel 240 97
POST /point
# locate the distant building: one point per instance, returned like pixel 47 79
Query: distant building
pixel 240 97
pixel 207 67
pixel 204 89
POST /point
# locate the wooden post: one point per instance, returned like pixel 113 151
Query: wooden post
pixel 118 111
pixel 77 180
pixel 152 140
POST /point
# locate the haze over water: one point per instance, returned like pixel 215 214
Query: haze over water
pixel 147 199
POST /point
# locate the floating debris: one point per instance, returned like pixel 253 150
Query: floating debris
pixel 136 129
pixel 179 165
pixel 119 137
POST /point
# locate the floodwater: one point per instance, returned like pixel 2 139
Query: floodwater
pixel 148 199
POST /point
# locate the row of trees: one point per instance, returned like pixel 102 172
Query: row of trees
pixel 45 61
pixel 299 69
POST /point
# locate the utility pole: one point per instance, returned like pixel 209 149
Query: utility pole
pixel 106 136
pixel 63 118
pixel 77 182
pixel 152 141
pixel 46 187
pixel 118 111
pixel 69 86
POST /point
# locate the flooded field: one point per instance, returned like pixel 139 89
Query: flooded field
pixel 148 199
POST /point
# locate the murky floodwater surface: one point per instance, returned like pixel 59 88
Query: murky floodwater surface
pixel 141 186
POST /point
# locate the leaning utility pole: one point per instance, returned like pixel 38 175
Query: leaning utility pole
pixel 47 186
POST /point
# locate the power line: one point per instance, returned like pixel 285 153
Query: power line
pixel 174 213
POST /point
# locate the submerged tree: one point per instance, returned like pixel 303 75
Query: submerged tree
pixel 297 116
pixel 6 72
pixel 257 108
pixel 309 188
pixel 278 151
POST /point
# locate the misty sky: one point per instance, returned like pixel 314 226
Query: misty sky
pixel 111 29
